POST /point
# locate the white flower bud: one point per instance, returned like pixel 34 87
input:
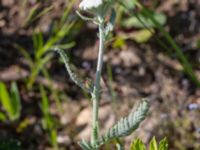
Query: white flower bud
pixel 90 4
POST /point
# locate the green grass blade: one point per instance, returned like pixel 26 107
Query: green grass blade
pixel 24 53
pixel 34 14
pixel 45 103
pixel 6 101
pixel 48 122
pixel 31 14
pixel 53 90
pixel 53 138
pixel 16 102
pixel 53 40
pixel 37 68
pixel 67 11
pixel 64 46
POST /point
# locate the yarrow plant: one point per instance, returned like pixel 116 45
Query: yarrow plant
pixel 101 9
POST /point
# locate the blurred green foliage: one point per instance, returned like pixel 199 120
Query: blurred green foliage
pixel 57 36
pixel 139 145
pixel 144 25
pixel 137 22
pixel 10 144
pixel 48 122
pixel 10 101
pixel 149 18
pixel 35 14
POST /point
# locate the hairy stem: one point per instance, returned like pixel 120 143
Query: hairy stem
pixel 96 90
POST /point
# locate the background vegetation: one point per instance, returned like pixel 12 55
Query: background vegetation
pixel 153 53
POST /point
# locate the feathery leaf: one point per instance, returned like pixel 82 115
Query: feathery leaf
pixel 72 75
pixel 85 145
pixel 127 125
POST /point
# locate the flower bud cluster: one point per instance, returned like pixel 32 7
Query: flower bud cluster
pixel 96 7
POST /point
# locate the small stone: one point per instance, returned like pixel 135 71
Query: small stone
pixel 129 58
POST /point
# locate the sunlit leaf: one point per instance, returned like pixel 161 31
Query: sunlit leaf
pixel 163 145
pixel 142 36
pixel 139 21
pixel 137 145
pixel 153 144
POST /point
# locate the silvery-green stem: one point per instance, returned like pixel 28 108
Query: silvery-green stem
pixel 96 90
